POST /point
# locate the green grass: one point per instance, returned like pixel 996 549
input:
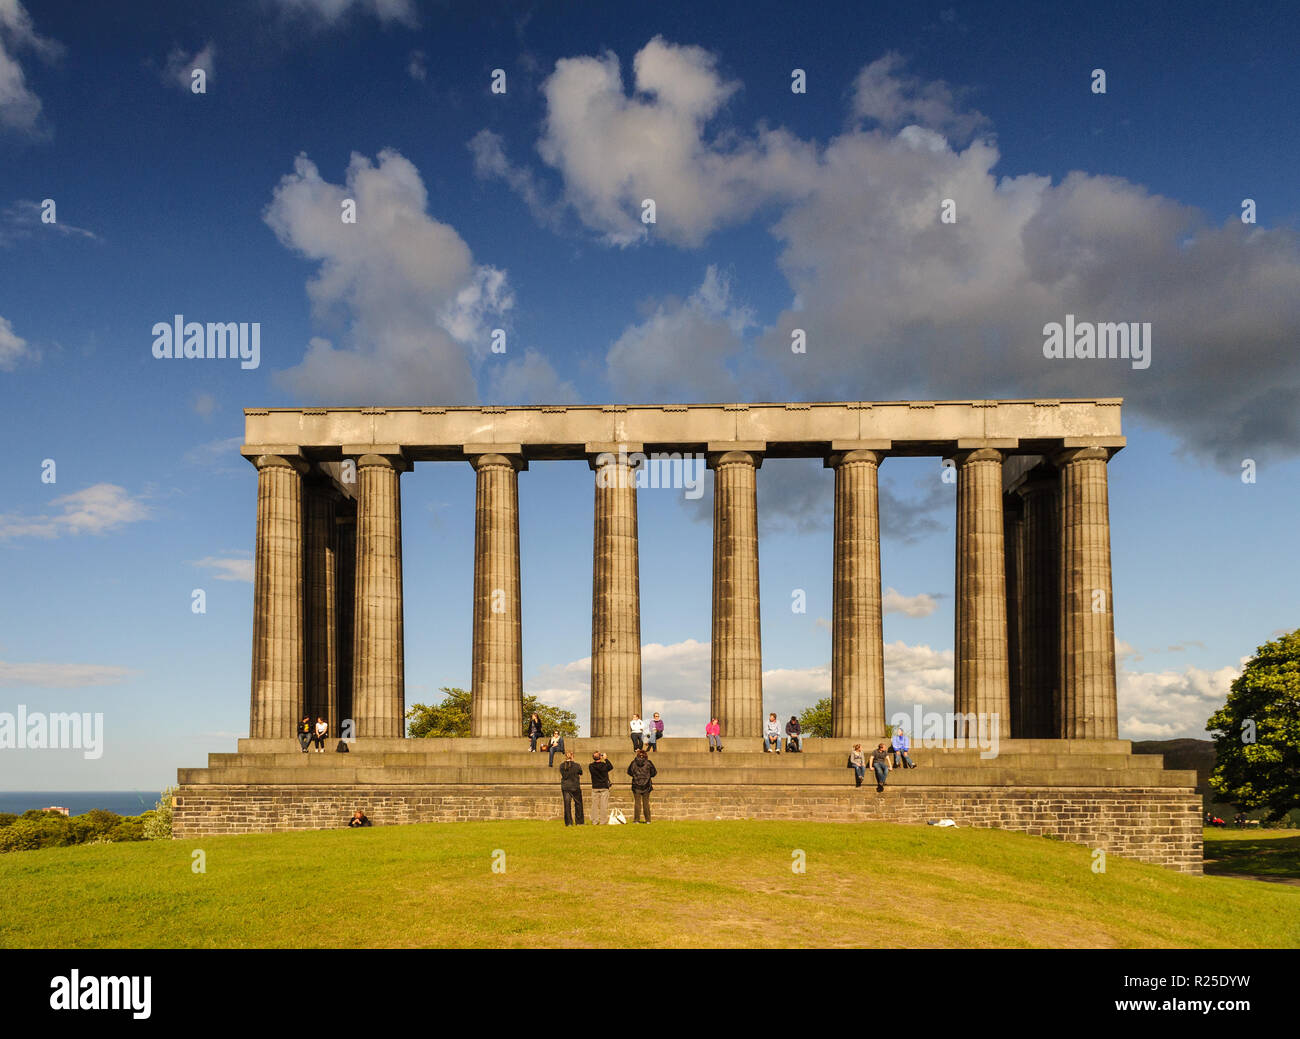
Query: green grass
pixel 1262 853
pixel 669 884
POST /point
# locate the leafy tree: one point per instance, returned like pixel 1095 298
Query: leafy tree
pixel 452 716
pixel 158 823
pixel 1257 732
pixel 816 720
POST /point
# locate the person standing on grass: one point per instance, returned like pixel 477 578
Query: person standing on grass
pixel 600 768
pixel 901 745
pixel 714 732
pixel 642 770
pixel 304 734
pixel 322 730
pixel 638 731
pixel 535 733
pixel 773 733
pixel 571 788
pixel 556 746
pixel 880 765
pixel 858 762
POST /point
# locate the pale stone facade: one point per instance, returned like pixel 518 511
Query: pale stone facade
pixel 1034 634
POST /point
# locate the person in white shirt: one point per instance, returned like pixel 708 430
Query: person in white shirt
pixel 772 731
pixel 638 731
pixel 322 730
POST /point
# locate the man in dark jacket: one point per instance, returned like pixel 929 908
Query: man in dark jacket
pixel 642 770
pixel 600 770
pixel 571 788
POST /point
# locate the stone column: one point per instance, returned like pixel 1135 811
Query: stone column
pixel 1040 604
pixel 982 686
pixel 857 635
pixel 615 598
pixel 346 599
pixel 320 684
pixel 378 661
pixel 497 670
pixel 736 666
pixel 1087 639
pixel 1011 544
pixel 277 600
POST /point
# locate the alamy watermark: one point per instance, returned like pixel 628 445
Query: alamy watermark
pixel 1130 340
pixel 37 730
pixel 667 469
pixel 195 340
pixel 964 730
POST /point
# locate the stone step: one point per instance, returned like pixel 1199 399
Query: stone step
pixel 678 759
pixel 720 775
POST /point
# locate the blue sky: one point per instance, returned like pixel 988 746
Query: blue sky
pixel 521 211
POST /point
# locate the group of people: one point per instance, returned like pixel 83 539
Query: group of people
pixel 881 764
pixel 641 771
pixel 313 735
pixel 772 735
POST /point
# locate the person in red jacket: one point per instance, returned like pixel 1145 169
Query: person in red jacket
pixel 714 732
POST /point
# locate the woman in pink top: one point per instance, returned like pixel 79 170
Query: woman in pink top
pixel 714 731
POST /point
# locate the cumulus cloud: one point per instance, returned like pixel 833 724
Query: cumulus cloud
pixel 22 220
pixel 13 347
pixel 237 566
pixel 683 350
pixel 919 605
pixel 20 109
pixel 178 70
pixel 414 307
pixel 331 12
pixel 529 380
pixel 49 675
pixel 1162 705
pixel 96 510
pixel 897 304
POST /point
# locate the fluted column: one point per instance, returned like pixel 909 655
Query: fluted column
pixel 1040 604
pixel 277 600
pixel 615 598
pixel 857 635
pixel 1087 641
pixel 497 675
pixel 320 683
pixel 1011 547
pixel 982 686
pixel 736 666
pixel 378 664
pixel 346 599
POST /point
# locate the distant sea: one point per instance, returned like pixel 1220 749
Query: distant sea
pixel 123 802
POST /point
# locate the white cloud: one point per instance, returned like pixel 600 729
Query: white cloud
pixel 416 66
pixel 180 65
pixel 13 347
pixel 884 94
pixel 237 566
pixel 22 220
pixel 20 109
pixel 919 605
pixel 60 676
pixel 95 510
pixel 331 12
pixel 528 380
pixel 414 305
pixel 1161 705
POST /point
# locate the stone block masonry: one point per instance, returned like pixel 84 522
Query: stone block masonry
pixel 1158 825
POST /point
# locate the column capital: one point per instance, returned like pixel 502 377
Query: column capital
pixel 733 455
pixel 1067 455
pixel 276 461
pixel 630 454
pixel 837 458
pixel 494 459
pixel 383 460
pixel 976 454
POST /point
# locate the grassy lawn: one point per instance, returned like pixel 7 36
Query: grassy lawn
pixel 1263 853
pixel 669 884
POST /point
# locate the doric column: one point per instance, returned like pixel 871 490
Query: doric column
pixel 736 671
pixel 378 663
pixel 497 670
pixel 1087 640
pixel 857 635
pixel 1011 547
pixel 615 598
pixel 277 599
pixel 346 599
pixel 982 687
pixel 1040 604
pixel 320 683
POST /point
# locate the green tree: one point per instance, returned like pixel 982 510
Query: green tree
pixel 452 716
pixel 158 823
pixel 1257 732
pixel 816 720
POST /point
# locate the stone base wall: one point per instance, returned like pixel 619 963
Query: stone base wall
pixel 1155 825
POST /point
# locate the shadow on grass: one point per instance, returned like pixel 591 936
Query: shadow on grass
pixel 1271 858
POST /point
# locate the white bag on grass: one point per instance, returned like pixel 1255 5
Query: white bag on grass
pixel 617 818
